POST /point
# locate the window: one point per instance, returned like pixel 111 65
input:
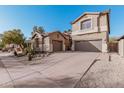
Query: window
pixel 86 24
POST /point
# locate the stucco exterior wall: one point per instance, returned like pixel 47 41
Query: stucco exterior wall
pixel 47 44
pixel 58 37
pixel 103 20
pixel 121 47
pixel 103 23
pixel 91 36
pixel 33 42
pixel 99 30
pixel 76 27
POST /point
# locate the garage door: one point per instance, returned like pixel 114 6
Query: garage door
pixel 89 46
pixel 57 45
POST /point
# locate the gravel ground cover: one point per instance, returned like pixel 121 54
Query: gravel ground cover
pixel 105 73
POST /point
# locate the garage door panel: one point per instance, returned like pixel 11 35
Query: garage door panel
pixel 91 46
pixel 97 44
pixel 57 45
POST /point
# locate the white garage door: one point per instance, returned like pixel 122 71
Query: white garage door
pixel 89 46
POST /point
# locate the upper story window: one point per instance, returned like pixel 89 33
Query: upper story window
pixel 86 24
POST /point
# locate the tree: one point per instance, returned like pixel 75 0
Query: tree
pixel 34 28
pixel 1 45
pixel 113 39
pixel 38 29
pixel 14 36
pixel 68 30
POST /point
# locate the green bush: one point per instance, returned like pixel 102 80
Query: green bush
pixel 1 45
pixel 30 50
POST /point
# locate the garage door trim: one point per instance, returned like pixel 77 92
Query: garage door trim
pixel 88 45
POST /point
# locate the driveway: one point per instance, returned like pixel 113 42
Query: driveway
pixel 56 70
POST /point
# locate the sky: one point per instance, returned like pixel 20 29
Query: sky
pixel 53 18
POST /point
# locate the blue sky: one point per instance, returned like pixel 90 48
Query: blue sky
pixel 54 18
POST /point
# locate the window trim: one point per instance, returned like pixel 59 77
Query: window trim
pixel 84 21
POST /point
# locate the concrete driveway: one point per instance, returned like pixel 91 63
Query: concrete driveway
pixel 56 70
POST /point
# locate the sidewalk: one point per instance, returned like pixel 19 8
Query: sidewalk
pixel 105 73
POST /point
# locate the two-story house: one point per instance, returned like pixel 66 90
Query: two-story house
pixel 90 32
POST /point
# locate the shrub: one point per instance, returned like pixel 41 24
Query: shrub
pixel 30 50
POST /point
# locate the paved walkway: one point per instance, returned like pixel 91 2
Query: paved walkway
pixel 57 70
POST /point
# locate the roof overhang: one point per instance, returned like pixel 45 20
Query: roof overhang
pixel 122 37
pixel 57 32
pixel 90 13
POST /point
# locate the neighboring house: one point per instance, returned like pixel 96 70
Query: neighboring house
pixel 50 42
pixel 37 42
pixel 90 32
pixel 121 46
pixel 28 42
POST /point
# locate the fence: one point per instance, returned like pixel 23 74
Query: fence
pixel 113 47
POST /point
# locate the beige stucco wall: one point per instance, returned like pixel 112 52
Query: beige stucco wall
pixel 56 36
pixel 121 47
pixel 94 33
pixel 33 43
pixel 91 36
pixel 47 44
pixel 103 20
pixel 104 23
pixel 94 19
pixel 76 27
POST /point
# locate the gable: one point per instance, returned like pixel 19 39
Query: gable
pixel 57 36
pixel 91 13
pixel 77 24
pixel 36 35
pixel 122 37
pixel 85 15
pixel 97 20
